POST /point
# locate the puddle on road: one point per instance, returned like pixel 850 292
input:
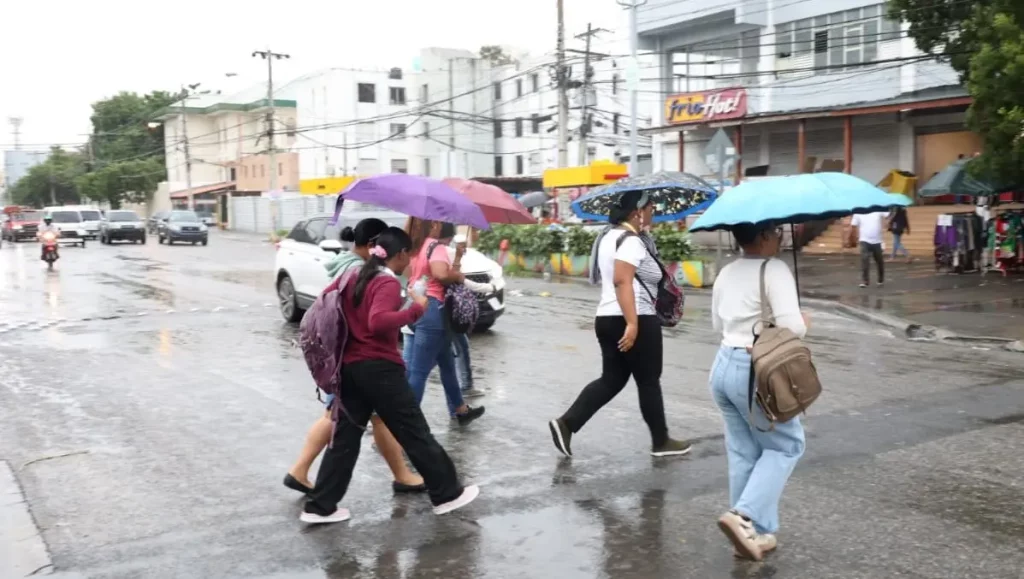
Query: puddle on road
pixel 142 290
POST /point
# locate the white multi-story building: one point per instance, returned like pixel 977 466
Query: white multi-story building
pixel 227 143
pixel 797 83
pixel 450 114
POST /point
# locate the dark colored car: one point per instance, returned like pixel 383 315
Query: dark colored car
pixel 154 221
pixel 122 225
pixel 182 227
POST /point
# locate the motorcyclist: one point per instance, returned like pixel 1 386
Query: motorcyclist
pixel 47 227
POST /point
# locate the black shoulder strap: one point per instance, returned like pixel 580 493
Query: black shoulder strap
pixel 430 250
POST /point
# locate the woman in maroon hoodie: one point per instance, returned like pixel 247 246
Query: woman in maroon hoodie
pixel 373 381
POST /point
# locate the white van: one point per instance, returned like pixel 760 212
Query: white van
pixel 91 218
pixel 69 222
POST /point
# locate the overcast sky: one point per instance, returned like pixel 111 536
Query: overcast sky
pixel 60 56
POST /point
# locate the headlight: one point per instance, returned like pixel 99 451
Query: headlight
pixel 498 277
pixel 16 228
pixel 202 227
pixel 174 227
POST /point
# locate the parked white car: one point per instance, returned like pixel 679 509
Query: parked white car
pixel 302 255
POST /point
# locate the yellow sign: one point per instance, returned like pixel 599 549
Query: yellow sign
pixel 325 185
pixel 597 173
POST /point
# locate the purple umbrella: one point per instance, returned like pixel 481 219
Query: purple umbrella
pixel 414 196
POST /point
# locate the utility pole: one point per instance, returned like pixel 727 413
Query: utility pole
pixel 562 80
pixel 451 115
pixel 270 56
pixel 634 82
pixel 584 115
pixel 184 145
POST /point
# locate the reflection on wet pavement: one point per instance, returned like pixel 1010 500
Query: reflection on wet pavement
pixel 172 427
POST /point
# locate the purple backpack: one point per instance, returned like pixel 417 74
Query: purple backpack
pixel 323 334
pixel 461 307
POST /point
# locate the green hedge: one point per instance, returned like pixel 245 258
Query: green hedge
pixel 540 240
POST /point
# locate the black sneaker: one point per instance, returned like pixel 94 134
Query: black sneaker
pixel 672 448
pixel 562 436
pixel 470 415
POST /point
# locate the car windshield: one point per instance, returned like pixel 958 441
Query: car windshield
pixel 122 216
pixel 66 217
pixel 183 217
pixel 90 215
pixel 27 216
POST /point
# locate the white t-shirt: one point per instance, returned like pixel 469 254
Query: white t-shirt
pixel 870 226
pixel 634 252
pixel 736 300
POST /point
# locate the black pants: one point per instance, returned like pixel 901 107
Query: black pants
pixel 642 362
pixel 380 386
pixel 869 251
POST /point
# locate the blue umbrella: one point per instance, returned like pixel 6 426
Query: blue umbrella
pixel 796 199
pixel 675 195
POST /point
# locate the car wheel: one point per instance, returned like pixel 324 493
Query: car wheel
pixel 142 240
pixel 484 326
pixel 170 241
pixel 286 300
pixel 205 241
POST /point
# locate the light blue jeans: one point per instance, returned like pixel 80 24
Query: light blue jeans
pixel 897 246
pixel 759 462
pixel 460 349
pixel 430 347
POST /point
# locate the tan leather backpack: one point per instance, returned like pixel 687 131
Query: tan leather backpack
pixel 783 379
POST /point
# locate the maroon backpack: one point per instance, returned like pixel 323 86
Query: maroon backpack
pixel 323 334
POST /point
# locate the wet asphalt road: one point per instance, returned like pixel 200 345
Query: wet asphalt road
pixel 151 400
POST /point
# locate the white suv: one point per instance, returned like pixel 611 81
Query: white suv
pixel 301 274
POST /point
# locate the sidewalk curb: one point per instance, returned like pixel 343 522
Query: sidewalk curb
pixel 915 331
pixel 23 551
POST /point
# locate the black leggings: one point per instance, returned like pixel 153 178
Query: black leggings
pixel 380 386
pixel 643 362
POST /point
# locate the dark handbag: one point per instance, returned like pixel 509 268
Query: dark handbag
pixel 669 301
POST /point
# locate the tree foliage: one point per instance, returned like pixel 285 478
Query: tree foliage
pixel 50 182
pixel 123 162
pixel 495 55
pixel 984 42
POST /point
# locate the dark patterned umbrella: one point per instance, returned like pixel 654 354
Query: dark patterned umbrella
pixel 675 195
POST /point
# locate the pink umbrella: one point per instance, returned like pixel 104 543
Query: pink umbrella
pixel 497 205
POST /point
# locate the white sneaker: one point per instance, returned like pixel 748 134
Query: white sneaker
pixel 742 534
pixel 338 516
pixel 469 494
pixel 766 543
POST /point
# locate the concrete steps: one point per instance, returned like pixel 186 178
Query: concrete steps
pixel 919 242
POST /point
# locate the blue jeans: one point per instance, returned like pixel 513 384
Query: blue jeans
pixel 432 346
pixel 897 245
pixel 460 349
pixel 759 462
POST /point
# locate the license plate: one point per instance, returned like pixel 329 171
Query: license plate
pixel 494 303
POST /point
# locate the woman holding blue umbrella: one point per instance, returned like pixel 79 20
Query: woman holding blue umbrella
pixel 760 461
pixel 762 454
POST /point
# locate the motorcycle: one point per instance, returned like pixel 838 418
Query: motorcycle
pixel 49 249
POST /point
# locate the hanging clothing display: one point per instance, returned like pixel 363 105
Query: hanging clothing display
pixel 959 242
pixel 1006 241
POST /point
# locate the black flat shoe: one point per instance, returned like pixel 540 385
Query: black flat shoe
pixel 402 488
pixel 294 484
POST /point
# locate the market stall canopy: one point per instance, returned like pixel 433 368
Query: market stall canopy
pixel 956 179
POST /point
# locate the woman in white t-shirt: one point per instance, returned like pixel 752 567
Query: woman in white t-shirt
pixel 760 458
pixel 627 329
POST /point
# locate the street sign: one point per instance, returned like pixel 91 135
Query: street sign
pixel 720 153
